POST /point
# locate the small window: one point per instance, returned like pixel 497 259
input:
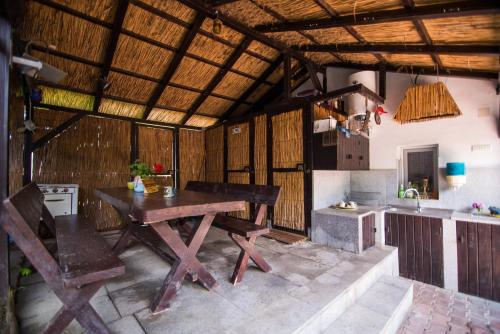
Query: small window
pixel 420 168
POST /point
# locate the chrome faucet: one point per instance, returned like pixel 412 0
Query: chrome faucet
pixel 419 209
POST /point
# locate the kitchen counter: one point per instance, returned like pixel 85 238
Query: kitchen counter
pixel 360 211
pixel 426 212
pixel 468 217
pixel 341 228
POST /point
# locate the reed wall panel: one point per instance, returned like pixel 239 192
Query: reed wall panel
pixel 174 8
pixel 214 145
pixel 149 25
pixel 289 210
pixel 68 33
pixel 167 116
pixel 141 57
pixel 248 13
pixel 295 10
pixel 109 106
pixel 238 152
pixel 260 150
pixel 80 76
pixel 201 121
pixel 228 34
pixel 93 153
pixel 287 139
pixel 156 146
pixel 240 178
pixel 191 156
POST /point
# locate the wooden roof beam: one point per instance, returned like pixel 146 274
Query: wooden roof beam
pixel 419 70
pixel 115 117
pixel 217 78
pixel 422 32
pixel 174 63
pixel 121 10
pixel 458 49
pixel 250 90
pixel 454 9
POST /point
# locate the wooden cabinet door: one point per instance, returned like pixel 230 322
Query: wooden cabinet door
pixel 368 231
pixel 478 259
pixel 420 246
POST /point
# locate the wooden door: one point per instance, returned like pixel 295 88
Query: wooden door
pixel 368 231
pixel 290 168
pixel 478 259
pixel 420 246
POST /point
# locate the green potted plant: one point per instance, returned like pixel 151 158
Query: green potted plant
pixel 138 170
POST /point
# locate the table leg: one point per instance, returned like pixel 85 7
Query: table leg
pixel 187 262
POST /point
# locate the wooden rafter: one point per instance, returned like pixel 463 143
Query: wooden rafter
pixel 217 78
pixel 121 10
pixel 422 32
pixel 453 9
pixel 333 13
pixel 116 117
pixel 281 18
pixel 450 49
pixel 174 63
pixel 57 131
pixel 250 90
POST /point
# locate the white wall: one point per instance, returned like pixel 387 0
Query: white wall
pixel 329 187
pixel 455 136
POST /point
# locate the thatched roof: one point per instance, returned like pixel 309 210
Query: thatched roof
pixel 165 66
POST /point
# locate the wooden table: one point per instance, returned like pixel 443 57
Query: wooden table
pixel 155 210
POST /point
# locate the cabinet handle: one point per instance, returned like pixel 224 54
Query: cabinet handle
pixel 360 157
pixel 348 156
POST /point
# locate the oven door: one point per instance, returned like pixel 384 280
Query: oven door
pixel 58 204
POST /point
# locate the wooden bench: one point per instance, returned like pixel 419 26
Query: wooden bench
pixel 85 258
pixel 243 232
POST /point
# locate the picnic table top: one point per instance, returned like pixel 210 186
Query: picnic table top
pixel 152 208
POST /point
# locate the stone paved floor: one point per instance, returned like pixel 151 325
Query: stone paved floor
pixel 437 310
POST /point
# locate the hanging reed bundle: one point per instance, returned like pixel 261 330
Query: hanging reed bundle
pixel 156 146
pixel 289 210
pixel 191 156
pixel 287 139
pixel 93 153
pixel 426 102
pixel 214 145
pixel 238 152
pixel 260 150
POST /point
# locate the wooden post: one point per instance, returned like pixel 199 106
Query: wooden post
pixel 308 167
pixel 5 47
pixel 251 157
pixel 134 142
pixel 287 90
pixel 176 158
pixel 224 135
pixel 269 160
pixel 28 135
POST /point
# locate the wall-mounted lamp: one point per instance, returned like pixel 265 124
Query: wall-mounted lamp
pixel 455 174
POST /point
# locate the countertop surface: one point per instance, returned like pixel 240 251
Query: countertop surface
pixel 360 211
pixel 467 216
pixel 426 212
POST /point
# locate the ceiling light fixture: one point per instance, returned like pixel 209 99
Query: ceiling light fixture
pixel 217 24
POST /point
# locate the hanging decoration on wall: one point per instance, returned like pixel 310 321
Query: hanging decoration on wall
pixel 379 111
pixel 426 102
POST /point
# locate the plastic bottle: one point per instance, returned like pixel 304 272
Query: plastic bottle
pixel 410 194
pixel 401 193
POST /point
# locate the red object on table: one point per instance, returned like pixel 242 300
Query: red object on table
pixel 155 210
pixel 158 168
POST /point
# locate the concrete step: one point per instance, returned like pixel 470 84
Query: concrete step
pixel 323 318
pixel 381 310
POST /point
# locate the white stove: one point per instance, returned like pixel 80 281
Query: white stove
pixel 60 199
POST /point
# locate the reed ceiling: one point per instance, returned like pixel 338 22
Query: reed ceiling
pixel 167 67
